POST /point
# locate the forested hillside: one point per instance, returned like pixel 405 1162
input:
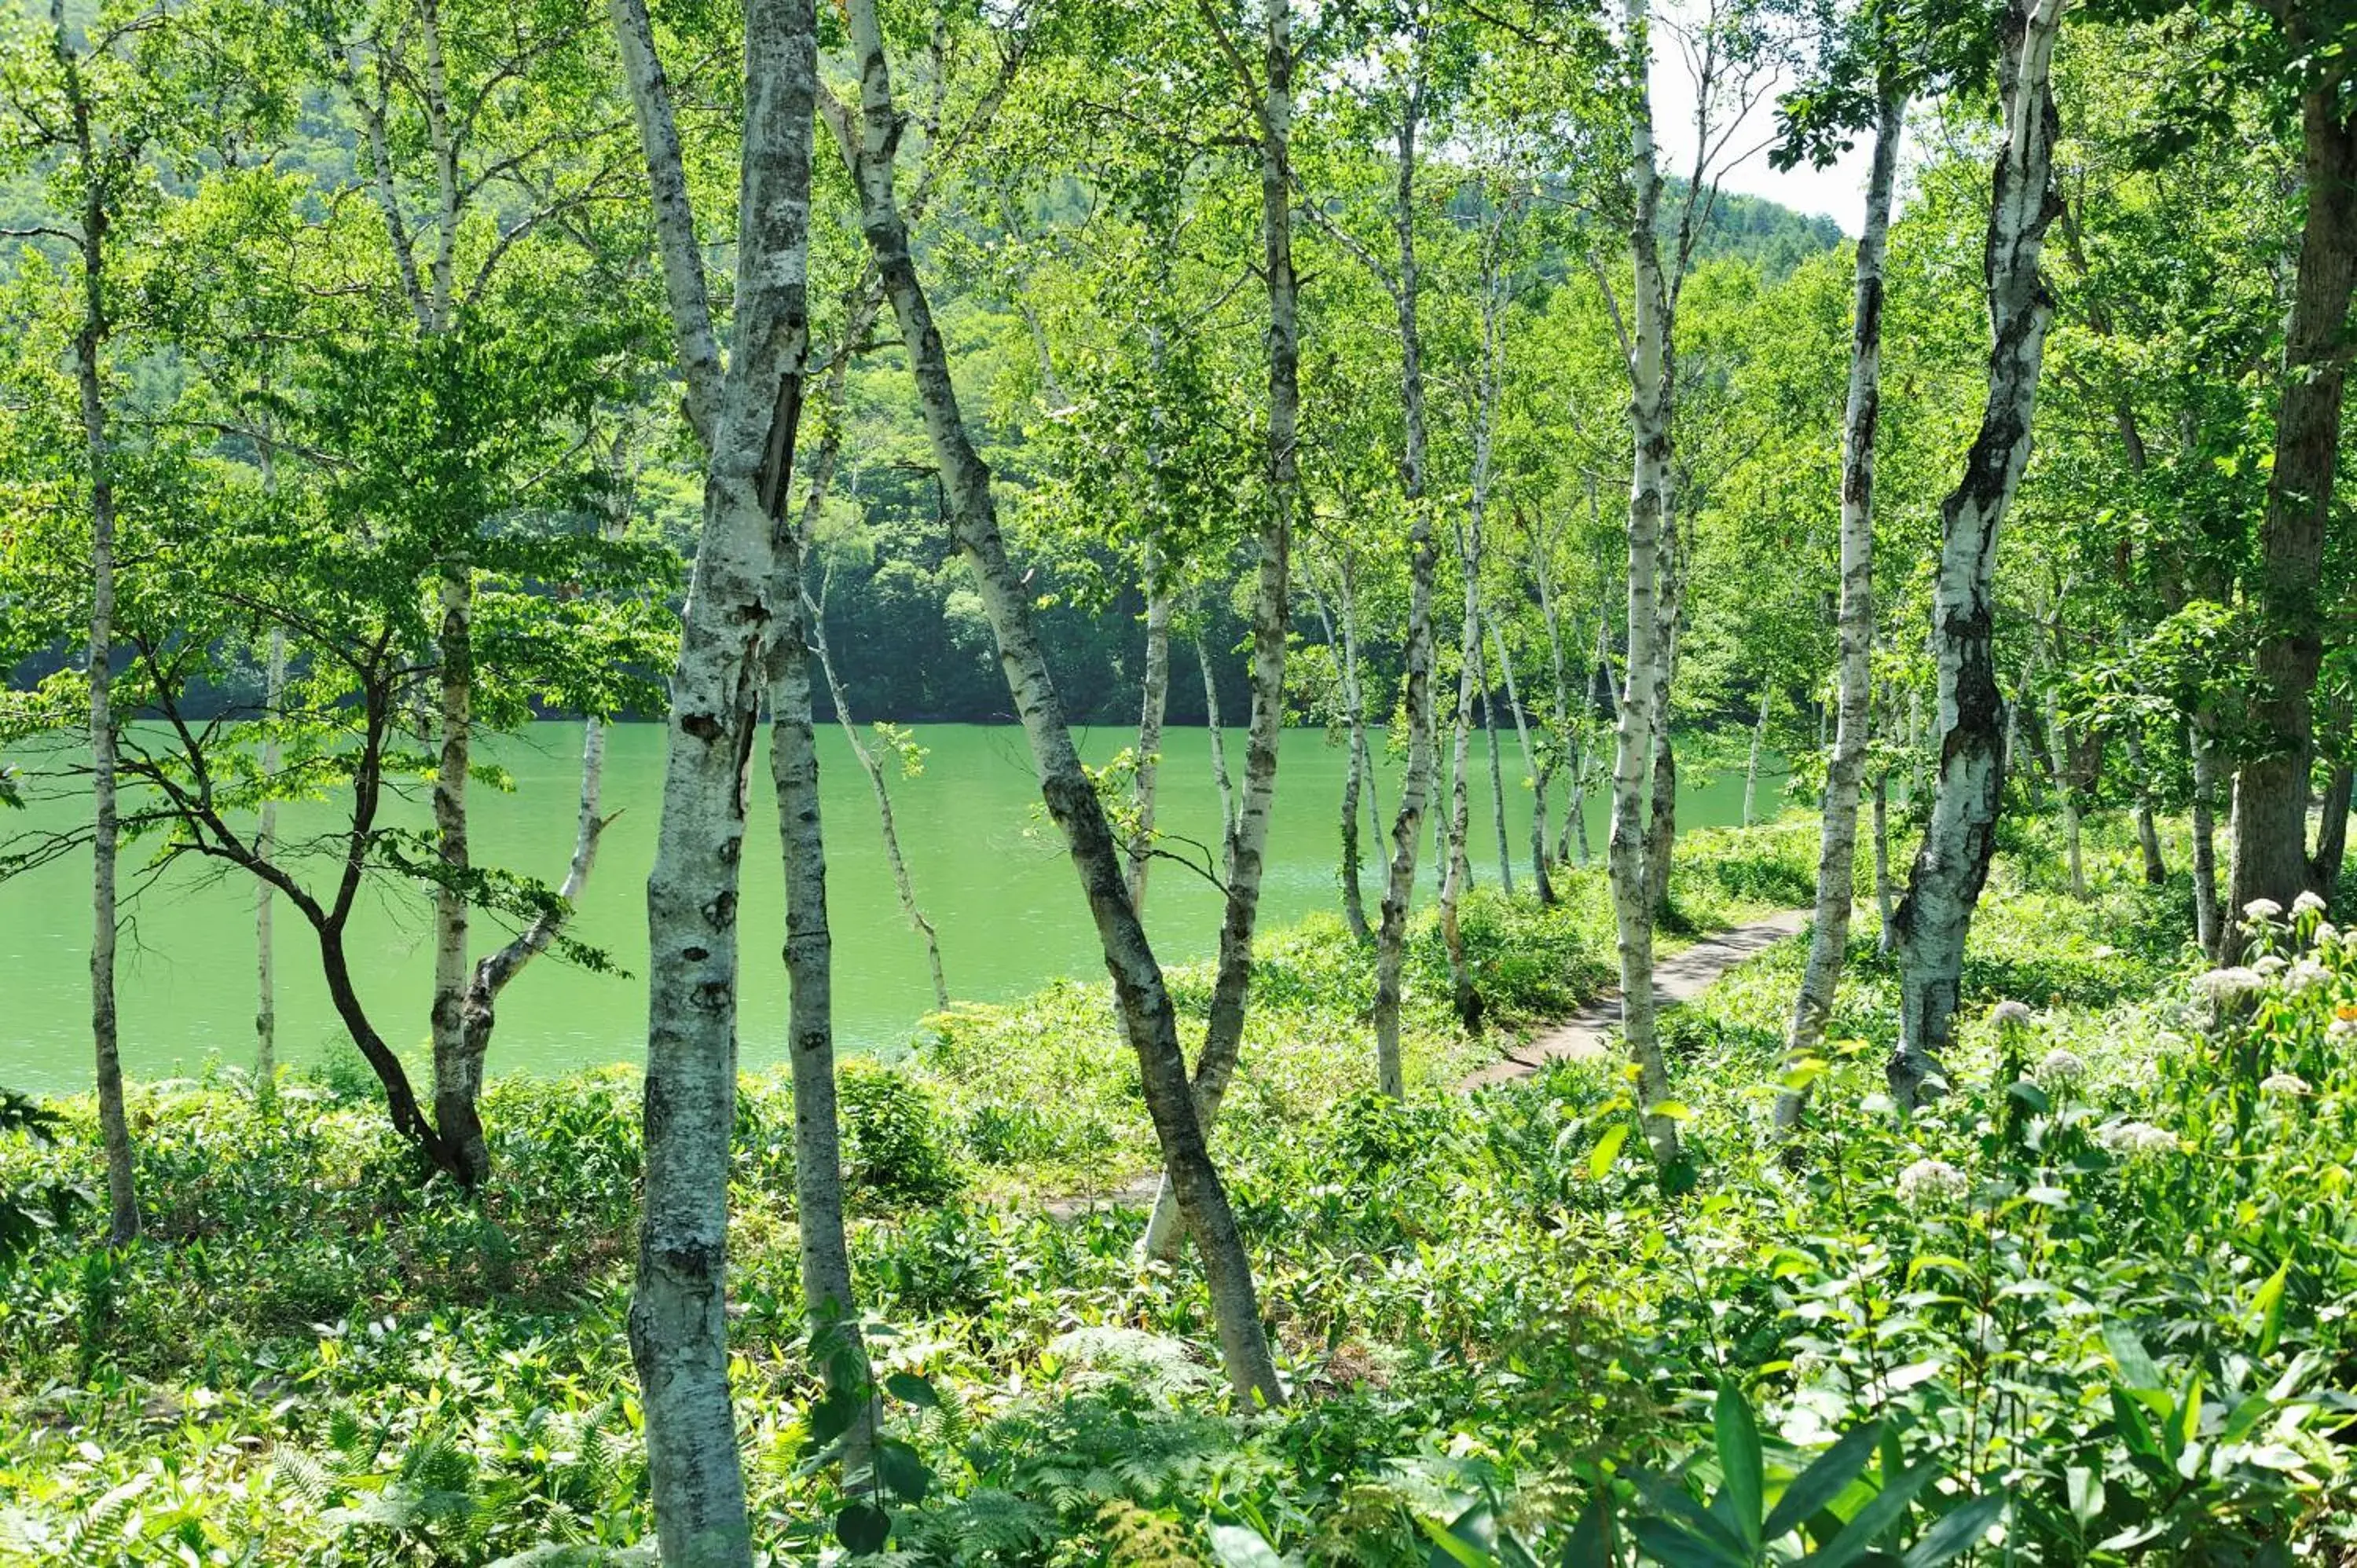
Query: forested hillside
pixel 1938 1154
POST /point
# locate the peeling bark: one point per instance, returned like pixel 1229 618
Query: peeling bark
pixel 1952 864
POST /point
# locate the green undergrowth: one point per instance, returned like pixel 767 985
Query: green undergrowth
pixel 2105 1292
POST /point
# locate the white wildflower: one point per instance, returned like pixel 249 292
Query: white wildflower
pixel 2285 1084
pixel 2266 966
pixel 2308 904
pixel 1930 1181
pixel 2058 1069
pixel 2341 1028
pixel 2228 984
pixel 2010 1014
pixel 2305 974
pixel 2137 1138
pixel 2261 910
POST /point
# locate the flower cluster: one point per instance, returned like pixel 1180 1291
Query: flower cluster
pixel 2306 975
pixel 2137 1138
pixel 2266 966
pixel 1929 1182
pixel 2011 1014
pixel 2283 1083
pixel 2220 986
pixel 2308 904
pixel 2058 1069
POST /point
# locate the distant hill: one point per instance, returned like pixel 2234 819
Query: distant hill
pixel 1755 229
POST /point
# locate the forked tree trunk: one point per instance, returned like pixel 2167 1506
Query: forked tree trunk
pixel 1147 1014
pixel 2270 820
pixel 1424 562
pixel 678 1320
pixel 1651 380
pixel 1952 865
pixel 1854 725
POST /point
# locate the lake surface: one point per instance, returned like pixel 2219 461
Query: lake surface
pixel 989 871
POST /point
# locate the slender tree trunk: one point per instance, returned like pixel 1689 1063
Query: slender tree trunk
pixel 1424 561
pixel 2209 931
pixel 2156 868
pixel 1837 842
pixel 2332 832
pixel 1886 888
pixel 455 1086
pixel 1154 701
pixel 1458 868
pixel 1952 865
pixel 678 1320
pixel 1272 618
pixel 1751 764
pixel 2270 821
pixel 831 1308
pixel 1144 1003
pixel 1497 786
pixel 1531 765
pixel 1218 735
pixel 1356 777
pixel 2058 747
pixel 114 1126
pixel 265 897
pixel 1661 814
pixel 1651 381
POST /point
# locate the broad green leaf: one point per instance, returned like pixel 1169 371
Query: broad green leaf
pixel 900 1467
pixel 862 1529
pixel 1958 1532
pixel 1739 1460
pixel 2135 1364
pixel 2270 1304
pixel 910 1389
pixel 1823 1481
pixel 1667 1543
pixel 1880 1512
pixel 1591 1545
pixel 1607 1150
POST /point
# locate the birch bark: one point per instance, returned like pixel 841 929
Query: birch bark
pixel 678 1320
pixel 1952 864
pixel 1154 701
pixel 1531 765
pixel 1853 721
pixel 868 138
pixel 1457 868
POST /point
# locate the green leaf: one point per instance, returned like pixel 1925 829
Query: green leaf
pixel 1591 1545
pixel 1958 1532
pixel 2270 1304
pixel 832 1416
pixel 1471 1539
pixel 1241 1546
pixel 1739 1460
pixel 1607 1150
pixel 1885 1509
pixel 2133 1429
pixel 902 1469
pixel 862 1527
pixel 1823 1481
pixel 2085 1488
pixel 1667 1543
pixel 2130 1355
pixel 910 1389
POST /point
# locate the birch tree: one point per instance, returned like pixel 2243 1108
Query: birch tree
pixel 1952 864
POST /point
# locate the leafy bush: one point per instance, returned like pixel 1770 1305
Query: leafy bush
pixel 895 1144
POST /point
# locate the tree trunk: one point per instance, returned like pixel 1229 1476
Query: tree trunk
pixel 1497 786
pixel 1356 775
pixel 1885 892
pixel 1838 841
pixel 1272 621
pixel 2058 747
pixel 1424 561
pixel 1145 1002
pixel 1218 735
pixel 1651 383
pixel 265 897
pixel 115 1127
pixel 457 1084
pixel 1154 701
pixel 1457 869
pixel 1662 814
pixel 829 1308
pixel 2156 868
pixel 2209 931
pixel 1531 765
pixel 1751 764
pixel 678 1319
pixel 1952 865
pixel 2270 821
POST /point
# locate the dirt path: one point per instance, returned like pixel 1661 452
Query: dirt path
pixel 1681 977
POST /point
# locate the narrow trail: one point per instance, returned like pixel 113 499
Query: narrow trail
pixel 1680 978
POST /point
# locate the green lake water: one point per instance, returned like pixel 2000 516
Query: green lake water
pixel 988 869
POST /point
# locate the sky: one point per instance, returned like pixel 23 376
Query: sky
pixel 1837 192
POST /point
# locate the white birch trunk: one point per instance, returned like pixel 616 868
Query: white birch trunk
pixel 1650 373
pixel 1147 1015
pixel 265 897
pixel 1217 733
pixel 678 1320
pixel 1953 862
pixel 1154 701
pixel 1751 763
pixel 2208 929
pixel 1458 868
pixel 1853 730
pixel 1531 764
